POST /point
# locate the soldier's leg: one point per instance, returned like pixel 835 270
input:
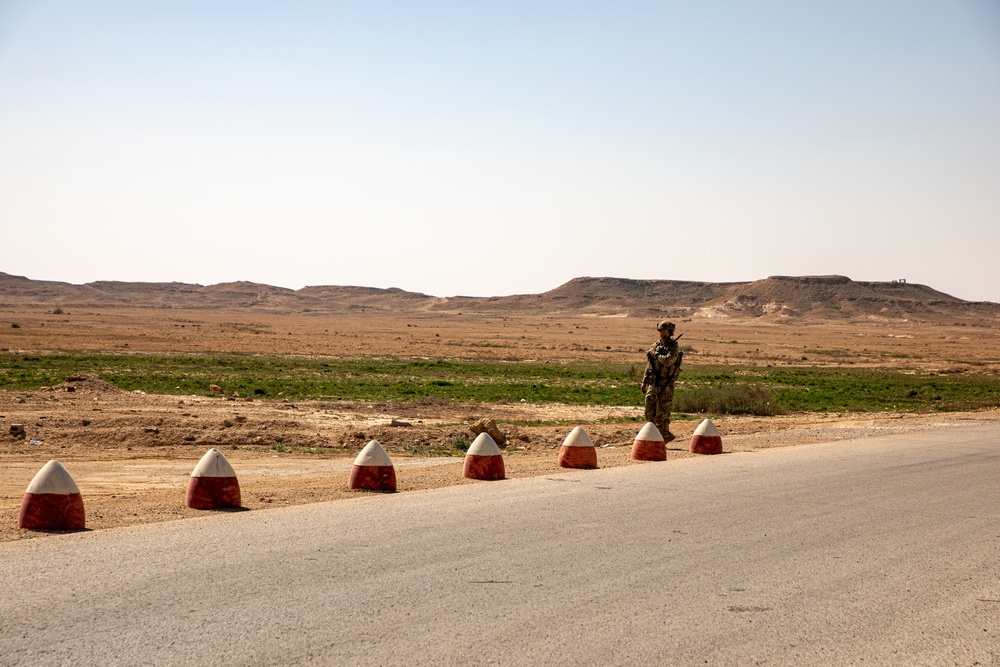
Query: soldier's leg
pixel 651 403
pixel 665 405
pixel 664 426
pixel 654 415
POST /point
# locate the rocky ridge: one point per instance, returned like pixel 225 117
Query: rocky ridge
pixel 773 298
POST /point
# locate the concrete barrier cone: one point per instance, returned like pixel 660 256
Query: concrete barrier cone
pixel 706 439
pixel 373 470
pixel 213 484
pixel 52 501
pixel 649 445
pixel 578 450
pixel 483 460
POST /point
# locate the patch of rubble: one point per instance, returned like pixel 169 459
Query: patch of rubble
pixel 87 383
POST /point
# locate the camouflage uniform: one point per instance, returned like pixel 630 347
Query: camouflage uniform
pixel 662 368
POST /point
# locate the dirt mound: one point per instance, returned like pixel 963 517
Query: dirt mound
pixel 87 383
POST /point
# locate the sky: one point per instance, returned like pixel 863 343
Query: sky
pixel 481 149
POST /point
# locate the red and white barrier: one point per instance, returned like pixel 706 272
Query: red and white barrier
pixel 213 484
pixel 706 439
pixel 52 501
pixel 484 460
pixel 373 470
pixel 578 450
pixel 649 444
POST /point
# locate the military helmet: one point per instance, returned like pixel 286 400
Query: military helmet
pixel 666 325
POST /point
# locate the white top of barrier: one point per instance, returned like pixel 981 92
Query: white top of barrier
pixel 213 464
pixel 483 445
pixel 53 478
pixel 578 438
pixel 707 428
pixel 373 455
pixel 649 433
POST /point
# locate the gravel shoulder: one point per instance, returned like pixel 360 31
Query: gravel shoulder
pixel 131 454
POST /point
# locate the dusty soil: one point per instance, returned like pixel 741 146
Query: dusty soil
pixel 870 342
pixel 131 454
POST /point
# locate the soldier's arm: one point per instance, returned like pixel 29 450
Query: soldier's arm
pixel 646 379
pixel 670 356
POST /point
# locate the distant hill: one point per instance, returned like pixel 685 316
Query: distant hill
pixel 774 298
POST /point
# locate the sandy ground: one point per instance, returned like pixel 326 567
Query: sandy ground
pixel 131 454
pixel 128 453
pixel 873 342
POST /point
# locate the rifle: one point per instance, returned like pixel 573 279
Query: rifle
pixel 652 367
pixel 676 369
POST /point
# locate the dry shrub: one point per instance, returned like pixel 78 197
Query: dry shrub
pixel 730 399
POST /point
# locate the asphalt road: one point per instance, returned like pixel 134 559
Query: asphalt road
pixel 881 551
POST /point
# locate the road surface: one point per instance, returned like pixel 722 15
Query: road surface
pixel 877 551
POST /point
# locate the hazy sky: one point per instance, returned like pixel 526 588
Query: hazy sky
pixel 499 148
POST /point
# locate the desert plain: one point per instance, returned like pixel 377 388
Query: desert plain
pixel 131 453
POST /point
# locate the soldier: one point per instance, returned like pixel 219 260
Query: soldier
pixel 664 365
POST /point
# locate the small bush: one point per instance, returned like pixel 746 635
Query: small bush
pixel 462 445
pixel 15 325
pixel 732 399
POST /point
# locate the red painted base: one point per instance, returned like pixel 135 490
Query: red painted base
pixel 373 478
pixel 649 450
pixel 578 457
pixel 52 511
pixel 484 467
pixel 706 444
pixel 212 493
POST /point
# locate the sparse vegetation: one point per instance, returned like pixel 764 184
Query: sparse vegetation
pixel 733 399
pixel 860 389
pixel 366 379
pixel 701 389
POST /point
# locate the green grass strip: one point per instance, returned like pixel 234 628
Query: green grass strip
pixel 582 383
